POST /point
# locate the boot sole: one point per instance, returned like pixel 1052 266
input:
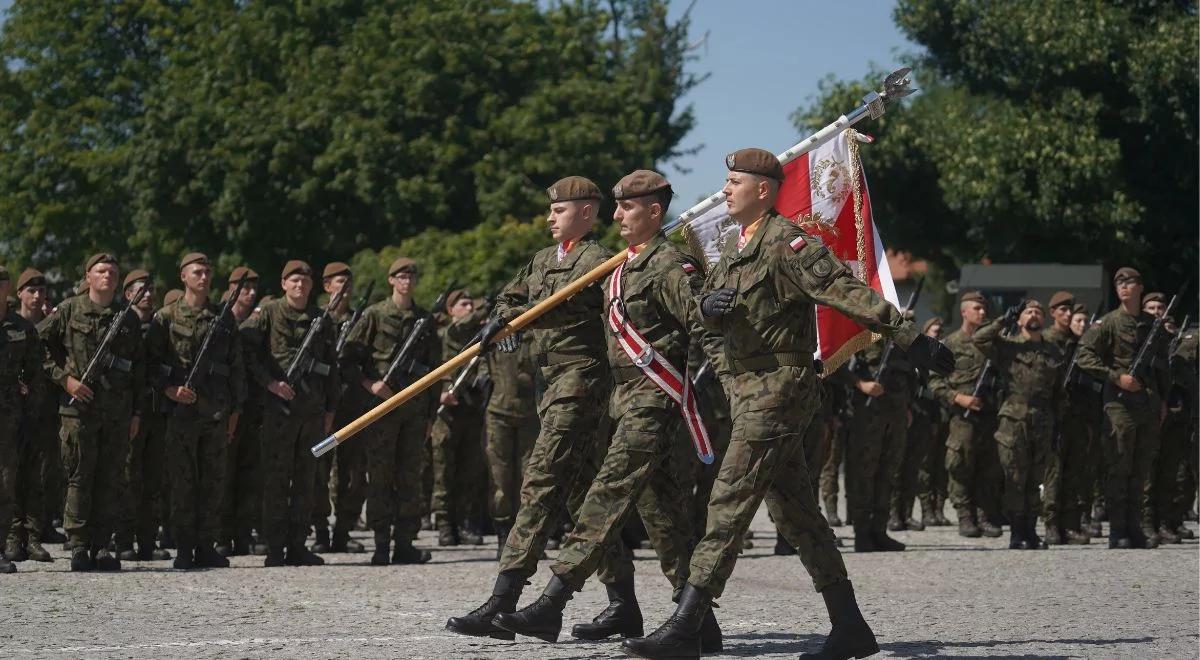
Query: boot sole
pixel 495 633
pixel 687 656
pixel 596 636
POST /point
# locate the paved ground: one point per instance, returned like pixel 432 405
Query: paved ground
pixel 945 597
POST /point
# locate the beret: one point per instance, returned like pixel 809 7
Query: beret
pixel 402 264
pixel 30 277
pixel 1154 296
pixel 640 183
pixel 193 258
pixel 238 272
pixel 1062 298
pixel 454 297
pixel 572 188
pixel 937 320
pixel 134 275
pixel 1126 273
pixel 295 266
pixel 334 269
pixel 99 258
pixel 972 296
pixel 755 161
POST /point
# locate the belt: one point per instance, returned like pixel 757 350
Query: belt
pixel 551 359
pixel 1036 401
pixel 769 361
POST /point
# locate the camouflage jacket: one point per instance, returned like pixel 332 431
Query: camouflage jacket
pixel 513 386
pixel 780 275
pixel 172 344
pixel 1184 374
pixel 72 333
pixel 20 363
pixel 373 343
pixel 658 292
pixel 567 341
pixel 899 379
pixel 277 332
pixel 1033 371
pixel 1084 390
pixel 968 364
pixel 1107 351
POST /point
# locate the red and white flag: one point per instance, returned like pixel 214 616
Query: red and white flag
pixel 825 192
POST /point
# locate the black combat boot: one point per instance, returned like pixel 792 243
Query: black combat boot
pixel 343 543
pixel 405 553
pixel 542 618
pixel 35 551
pixel 478 623
pixel 208 557
pixel 125 552
pixel 915 525
pixel 883 542
pixel 967 527
pixel 1054 534
pixel 299 555
pixel 1031 536
pixel 831 515
pixel 927 517
pixel 1184 532
pixel 850 636
pixel 1077 537
pixel 184 558
pixel 711 640
pixel 274 556
pixel 467 534
pixel 1148 538
pixel 6 566
pixel 226 548
pixel 939 515
pixel 679 635
pixel 622 617
pixel 104 560
pixel 989 528
pixel 782 547
pixel 382 540
pixel 447 535
pixel 864 540
pixel 80 560
pixel 1016 537
pixel 895 523
pixel 322 541
pixel 14 550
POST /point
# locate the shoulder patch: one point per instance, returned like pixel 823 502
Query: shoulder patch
pixel 688 268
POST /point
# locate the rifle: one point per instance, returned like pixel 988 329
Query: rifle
pixel 1143 354
pixel 214 327
pixel 303 361
pixel 402 361
pixel 102 360
pixel 980 385
pixel 355 317
pixel 461 379
pixel 1072 368
pixel 1179 335
pixel 887 351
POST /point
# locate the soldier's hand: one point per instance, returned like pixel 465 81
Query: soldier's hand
pixel 381 389
pixel 969 402
pixel 180 394
pixel 78 390
pixel 718 303
pixel 489 331
pixel 282 390
pixel 1129 383
pixel 510 344
pixel 1012 315
pixel 928 353
pixel 871 388
pixel 135 425
pixel 448 399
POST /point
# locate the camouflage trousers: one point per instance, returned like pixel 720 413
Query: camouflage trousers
pixel 1131 444
pixel 10 466
pixel 765 460
pixel 1070 470
pixel 287 473
pixel 394 463
pixel 510 439
pixel 54 484
pixel 818 444
pixel 639 471
pixel 94 447
pixel 22 455
pixel 560 464
pixel 459 473
pixel 918 442
pixel 973 464
pixel 322 477
pixel 241 501
pixel 714 410
pixel 932 480
pixel 196 450
pixel 1168 503
pixel 143 498
pixel 828 481
pixel 874 453
pixel 348 488
pixel 1022 444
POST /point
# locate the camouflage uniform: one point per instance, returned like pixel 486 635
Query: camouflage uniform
pixel 324 489
pixel 142 502
pixel 241 501
pixel 20 365
pixel 1179 453
pixel 830 469
pixel 1070 471
pixel 289 428
pixel 1131 437
pixel 512 427
pixel 94 435
pixel 769 342
pixel 929 427
pixel 197 433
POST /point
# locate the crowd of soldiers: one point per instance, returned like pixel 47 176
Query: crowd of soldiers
pixel 180 428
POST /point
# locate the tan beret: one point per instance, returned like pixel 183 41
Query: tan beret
pixel 402 264
pixel 193 258
pixel 1079 309
pixel 30 277
pixel 172 296
pixel 294 266
pixel 640 183
pixel 334 269
pixel 1126 273
pixel 240 271
pixel 454 297
pixel 755 161
pixel 937 320
pixel 1154 296
pixel 972 296
pixel 1030 303
pixel 99 258
pixel 1062 298
pixel 135 275
pixel 572 188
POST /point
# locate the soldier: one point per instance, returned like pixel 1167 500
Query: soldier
pixel 1154 304
pixel 99 418
pixel 204 416
pixel 512 427
pixel 394 443
pixel 349 481
pixel 929 427
pixel 1171 496
pixel 1133 409
pixel 337 277
pixel 1028 416
pixel 241 501
pixel 32 484
pixel 295 412
pixel 837 448
pixel 568 343
pixel 650 313
pixel 972 464
pixel 761 296
pixel 21 386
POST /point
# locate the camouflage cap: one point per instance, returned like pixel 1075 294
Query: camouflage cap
pixel 238 272
pixel 1062 298
pixel 99 258
pixel 135 275
pixel 755 161
pixel 172 296
pixel 972 296
pixel 1154 296
pixel 193 258
pixel 296 266
pixel 30 277
pixel 937 320
pixel 572 188
pixel 640 183
pixel 334 269
pixel 402 264
pixel 1126 273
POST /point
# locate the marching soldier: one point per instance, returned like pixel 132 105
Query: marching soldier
pixel 1034 369
pixel 98 417
pixel 204 416
pixel 972 464
pixel 1133 408
pixel 21 386
pixel 337 277
pixel 512 427
pixel 761 297
pixel 295 412
pixel 394 443
pixel 568 345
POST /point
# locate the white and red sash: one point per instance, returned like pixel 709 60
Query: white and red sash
pixel 656 368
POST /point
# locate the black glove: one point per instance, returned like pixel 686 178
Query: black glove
pixel 718 303
pixel 929 353
pixel 510 344
pixel 1012 315
pixel 489 330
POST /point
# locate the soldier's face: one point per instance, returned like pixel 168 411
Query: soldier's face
pixel 147 301
pixel 249 293
pixel 1078 324
pixel 934 331
pixel 403 282
pixel 974 312
pixel 32 297
pixel 746 193
pixel 571 220
pixel 462 307
pixel 197 277
pixel 341 282
pixel 1061 314
pixel 102 278
pixel 1129 290
pixel 1155 307
pixel 1032 319
pixel 296 287
pixel 638 219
